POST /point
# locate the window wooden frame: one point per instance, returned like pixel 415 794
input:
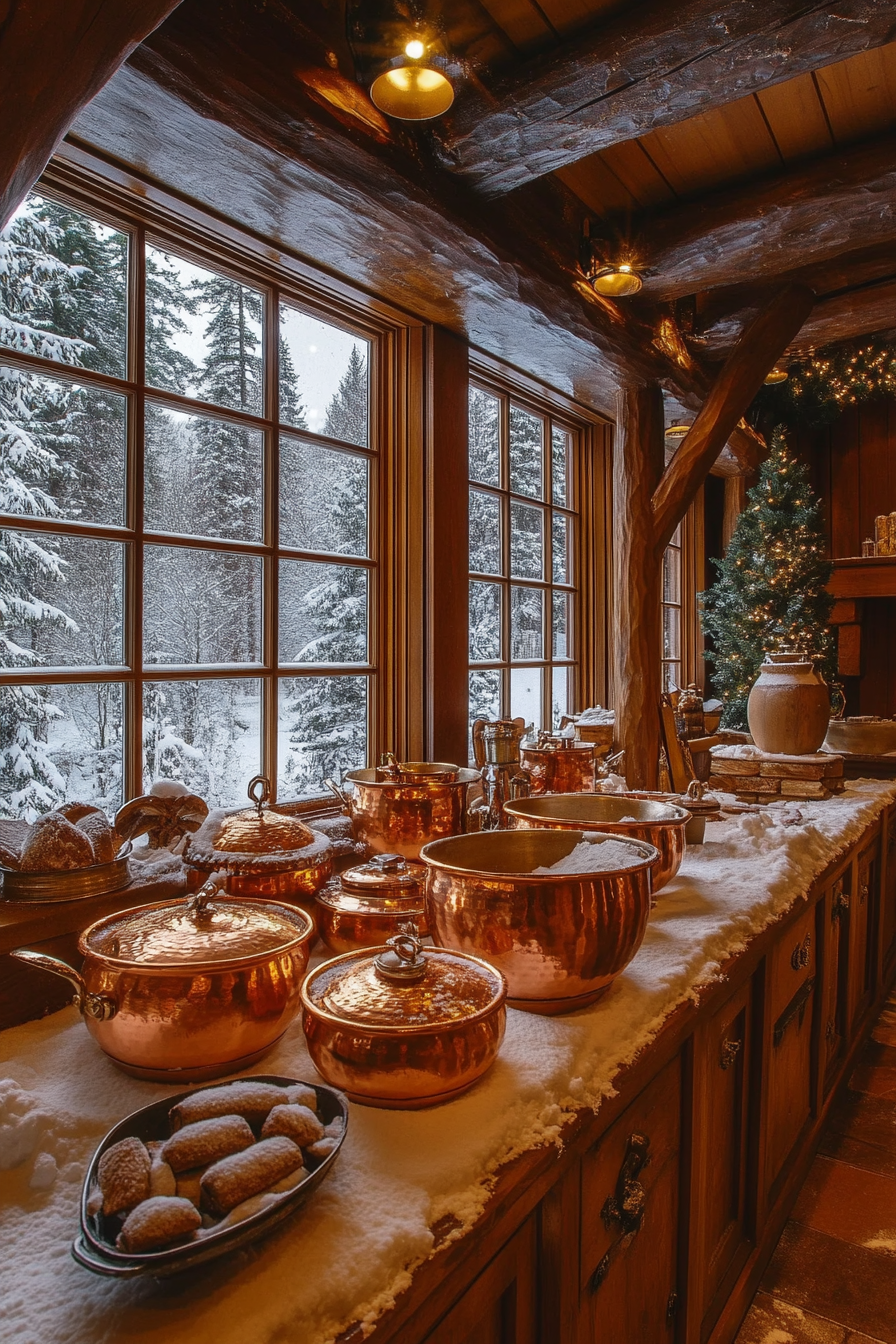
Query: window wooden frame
pixel 395 432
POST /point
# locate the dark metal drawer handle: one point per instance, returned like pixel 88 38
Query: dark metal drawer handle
pixel 625 1208
pixel 729 1052
pixel 797 1008
pixel 801 954
pixel 840 904
pixel 863 893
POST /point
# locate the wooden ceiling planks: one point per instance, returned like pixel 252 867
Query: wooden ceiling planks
pixel 725 145
pixel 859 95
pixel 796 118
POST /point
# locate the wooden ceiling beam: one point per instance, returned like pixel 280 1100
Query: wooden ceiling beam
pixel 55 56
pixel 738 381
pixel 651 65
pixel 858 312
pixel 774 225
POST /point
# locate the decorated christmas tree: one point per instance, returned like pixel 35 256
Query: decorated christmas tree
pixel 771 591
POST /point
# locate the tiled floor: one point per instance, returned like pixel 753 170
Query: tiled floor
pixel 832 1279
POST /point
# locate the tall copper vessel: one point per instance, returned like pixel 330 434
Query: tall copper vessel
pixel 559 939
pixel 401 816
pixel 188 990
pixel 657 823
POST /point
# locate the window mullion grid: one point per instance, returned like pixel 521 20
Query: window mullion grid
pixel 504 478
pixel 270 602
pixel 133 605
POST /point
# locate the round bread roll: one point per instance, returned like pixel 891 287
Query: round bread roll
pixel 73 812
pixel 54 845
pixel 296 1123
pixel 101 836
pixel 158 1222
pixel 9 857
pixel 123 1175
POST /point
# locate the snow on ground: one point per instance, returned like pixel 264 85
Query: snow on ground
pixel 347 1254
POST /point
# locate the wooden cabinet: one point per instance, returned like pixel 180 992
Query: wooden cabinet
pixel 500 1306
pixel 788 1047
pixel 720 1186
pixel 861 948
pixel 629 1221
pixel 888 897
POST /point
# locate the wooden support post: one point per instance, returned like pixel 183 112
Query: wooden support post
pixel 638 456
pixel 733 507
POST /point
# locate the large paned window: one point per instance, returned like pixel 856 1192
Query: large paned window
pixel 188 468
pixel 523 580
pixel 672 613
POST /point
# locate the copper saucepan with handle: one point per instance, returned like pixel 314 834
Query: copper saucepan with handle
pixel 400 814
pixel 190 989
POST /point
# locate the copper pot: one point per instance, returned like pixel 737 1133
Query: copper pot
pixel 188 990
pixel 366 906
pixel 660 824
pixel 400 818
pixel 560 940
pixel 559 765
pixel 406 1028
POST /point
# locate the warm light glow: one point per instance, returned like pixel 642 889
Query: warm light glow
pixel 412 93
pixel 618 282
pixel 777 375
pixel 677 430
pixel 414 49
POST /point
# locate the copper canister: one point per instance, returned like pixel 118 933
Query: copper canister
pixel 366 906
pixel 882 533
pixel 403 1026
pixel 559 765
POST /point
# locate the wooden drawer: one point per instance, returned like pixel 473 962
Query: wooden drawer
pixel 791 962
pixel 629 1221
pixel 500 1306
pixel 789 1098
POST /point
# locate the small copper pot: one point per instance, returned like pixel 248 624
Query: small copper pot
pixel 400 818
pixel 660 824
pixel 407 1027
pixel 560 765
pixel 366 906
pixel 559 939
pixel 189 990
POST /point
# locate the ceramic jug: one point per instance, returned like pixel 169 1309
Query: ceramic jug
pixel 789 705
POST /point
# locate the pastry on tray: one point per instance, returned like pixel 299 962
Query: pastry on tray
pixel 76 835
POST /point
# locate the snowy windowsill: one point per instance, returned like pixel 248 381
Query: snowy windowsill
pixel 351 1250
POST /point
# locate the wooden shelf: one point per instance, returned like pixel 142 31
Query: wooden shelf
pixel 864 576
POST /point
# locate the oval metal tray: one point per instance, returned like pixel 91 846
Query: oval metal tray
pixel 72 884
pixel 93 1249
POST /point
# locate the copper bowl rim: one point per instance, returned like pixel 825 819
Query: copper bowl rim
pixel 680 815
pixel 195 967
pixel 499 998
pixel 331 899
pixel 366 780
pixel 650 860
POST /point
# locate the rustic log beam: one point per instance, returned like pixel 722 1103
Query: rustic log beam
pixel 739 380
pixel 55 55
pixel 637 467
pixel 788 220
pixel 652 65
pixel 858 312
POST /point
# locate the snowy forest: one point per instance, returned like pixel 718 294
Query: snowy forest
pixel 64 455
pixel 530 550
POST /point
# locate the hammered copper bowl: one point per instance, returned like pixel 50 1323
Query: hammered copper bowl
pixel 403 1047
pixel 216 1002
pixel 659 824
pixel 560 940
pixel 401 818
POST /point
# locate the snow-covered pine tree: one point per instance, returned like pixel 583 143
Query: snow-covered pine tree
pixel 485 553
pixel 329 714
pixel 771 591
pixel 35 423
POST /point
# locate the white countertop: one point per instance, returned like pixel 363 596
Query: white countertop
pixel 350 1250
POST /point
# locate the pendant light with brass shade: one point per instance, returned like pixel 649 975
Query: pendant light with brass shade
pixel 401 54
pixel 777 375
pixel 616 279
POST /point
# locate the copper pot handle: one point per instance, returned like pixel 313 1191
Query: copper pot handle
pixel 98 1006
pixel 342 798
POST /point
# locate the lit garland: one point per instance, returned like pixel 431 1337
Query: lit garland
pixel 825 383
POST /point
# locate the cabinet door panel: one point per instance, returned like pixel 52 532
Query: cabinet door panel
pixel 789 1104
pixel 888 914
pixel 630 1202
pixel 721 1133
pixel 833 1002
pixel 792 962
pixel 500 1306
pixel 861 977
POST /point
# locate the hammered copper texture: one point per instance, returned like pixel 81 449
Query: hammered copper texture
pixel 402 818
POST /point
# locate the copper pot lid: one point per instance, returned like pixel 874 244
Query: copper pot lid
pixel 385 875
pixel 205 929
pixel 259 830
pixel 404 986
pixel 554 743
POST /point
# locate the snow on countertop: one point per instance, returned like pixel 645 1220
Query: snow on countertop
pixel 350 1250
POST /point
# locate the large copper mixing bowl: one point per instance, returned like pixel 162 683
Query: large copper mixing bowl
pixel 400 818
pixel 559 939
pixel 188 990
pixel 659 824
